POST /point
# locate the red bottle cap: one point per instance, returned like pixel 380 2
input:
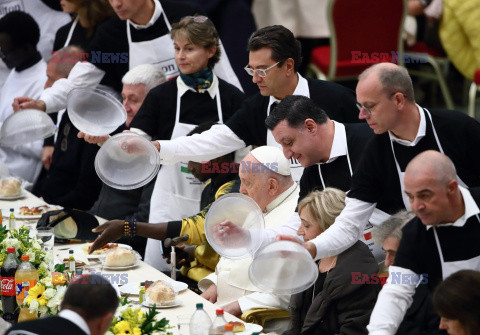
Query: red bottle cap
pixel 25 257
pixel 11 249
pixel 219 311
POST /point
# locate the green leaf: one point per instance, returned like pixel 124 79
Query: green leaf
pixel 125 300
pixel 60 267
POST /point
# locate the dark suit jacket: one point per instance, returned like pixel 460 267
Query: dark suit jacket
pixel 54 325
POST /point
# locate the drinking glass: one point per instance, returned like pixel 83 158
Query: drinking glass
pixel 183 324
pixel 47 236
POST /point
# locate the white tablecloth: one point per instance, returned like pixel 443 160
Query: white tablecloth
pixel 139 273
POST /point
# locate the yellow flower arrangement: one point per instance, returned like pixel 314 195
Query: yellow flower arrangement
pixel 36 293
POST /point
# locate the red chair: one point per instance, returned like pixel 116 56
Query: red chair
pixel 474 88
pixel 422 53
pixel 362 33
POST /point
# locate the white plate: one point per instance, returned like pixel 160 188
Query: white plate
pixel 122 267
pixel 250 328
pixel 132 288
pixel 38 216
pixel 176 303
pixel 21 195
pixel 78 249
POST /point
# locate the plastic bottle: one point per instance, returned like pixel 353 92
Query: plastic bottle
pixel 218 325
pixel 228 329
pixel 9 300
pixel 26 277
pixel 11 220
pixel 200 322
pixel 71 261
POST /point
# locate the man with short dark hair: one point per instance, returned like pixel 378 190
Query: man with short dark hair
pixel 19 36
pixel 274 57
pixel 87 309
pixel 330 151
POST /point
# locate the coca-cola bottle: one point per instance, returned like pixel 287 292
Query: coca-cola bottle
pixel 9 301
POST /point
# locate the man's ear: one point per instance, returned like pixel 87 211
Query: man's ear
pixel 289 66
pixel 273 186
pixel 310 126
pixel 452 186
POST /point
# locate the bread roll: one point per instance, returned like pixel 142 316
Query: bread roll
pixel 161 294
pixel 120 257
pixel 10 188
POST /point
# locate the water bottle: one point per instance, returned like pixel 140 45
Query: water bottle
pixel 218 324
pixel 200 322
pixel 228 329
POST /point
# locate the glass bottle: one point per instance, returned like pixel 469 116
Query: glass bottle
pixel 11 220
pixel 71 261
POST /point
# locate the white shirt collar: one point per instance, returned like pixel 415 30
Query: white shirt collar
pixel 75 318
pixel 339 144
pixel 301 89
pixel 471 209
pixel 212 90
pixel 420 134
pixel 156 14
pixel 280 198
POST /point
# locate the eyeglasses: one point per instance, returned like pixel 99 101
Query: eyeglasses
pixel 369 109
pixel 198 19
pixel 260 72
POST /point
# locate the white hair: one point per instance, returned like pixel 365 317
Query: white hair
pixel 148 74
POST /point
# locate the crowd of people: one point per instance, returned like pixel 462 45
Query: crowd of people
pixel 364 180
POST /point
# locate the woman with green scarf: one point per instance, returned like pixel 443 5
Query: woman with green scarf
pixel 174 108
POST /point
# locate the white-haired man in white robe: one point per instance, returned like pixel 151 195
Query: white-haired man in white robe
pixel 265 177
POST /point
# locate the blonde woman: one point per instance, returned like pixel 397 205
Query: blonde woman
pixel 342 298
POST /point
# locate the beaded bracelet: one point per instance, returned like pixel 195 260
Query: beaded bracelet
pixel 126 227
pixel 132 226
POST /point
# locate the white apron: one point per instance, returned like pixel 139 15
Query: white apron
pixel 376 219
pixel 449 268
pixel 176 193
pixel 401 174
pixel 148 52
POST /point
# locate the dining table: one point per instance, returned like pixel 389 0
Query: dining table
pixel 186 299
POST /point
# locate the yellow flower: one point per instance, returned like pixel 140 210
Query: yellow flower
pixel 36 293
pixel 123 328
pixel 137 331
pixel 58 278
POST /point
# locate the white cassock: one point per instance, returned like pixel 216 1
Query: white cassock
pixel 231 276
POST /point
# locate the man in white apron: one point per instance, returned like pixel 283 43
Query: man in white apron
pixel 440 241
pixel 122 43
pixel 328 150
pixel 274 58
pixel 403 130
pixel 19 35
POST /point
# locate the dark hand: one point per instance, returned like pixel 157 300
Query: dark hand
pixel 111 231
